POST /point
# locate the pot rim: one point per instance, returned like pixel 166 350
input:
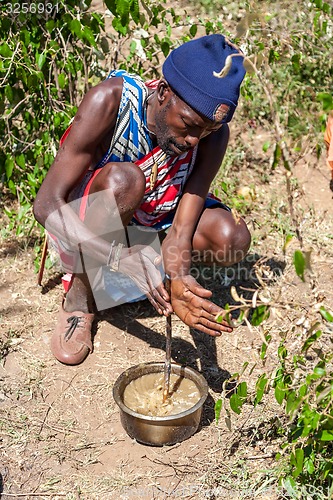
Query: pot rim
pixel 166 418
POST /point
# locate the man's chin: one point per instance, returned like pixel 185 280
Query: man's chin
pixel 168 151
pixel 172 150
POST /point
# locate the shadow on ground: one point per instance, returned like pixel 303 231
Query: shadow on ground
pixel 1 485
pixel 219 280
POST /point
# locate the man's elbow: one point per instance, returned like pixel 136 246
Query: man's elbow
pixel 39 211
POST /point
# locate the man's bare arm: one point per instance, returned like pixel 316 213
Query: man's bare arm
pixel 190 300
pixel 94 121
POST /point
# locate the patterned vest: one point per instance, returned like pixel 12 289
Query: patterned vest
pixel 131 142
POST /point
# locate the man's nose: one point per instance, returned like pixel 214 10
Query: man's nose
pixel 192 140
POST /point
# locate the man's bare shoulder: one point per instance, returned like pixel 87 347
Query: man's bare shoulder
pixel 105 95
pixel 99 108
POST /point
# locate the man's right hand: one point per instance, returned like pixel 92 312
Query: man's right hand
pixel 142 265
pixel 190 301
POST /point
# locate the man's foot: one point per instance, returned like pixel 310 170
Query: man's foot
pixel 72 339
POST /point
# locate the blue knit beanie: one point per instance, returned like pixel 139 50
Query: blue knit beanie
pixel 189 71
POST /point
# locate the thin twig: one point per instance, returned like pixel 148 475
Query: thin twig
pixel 6 117
pixel 167 365
pixel 10 65
pixel 260 457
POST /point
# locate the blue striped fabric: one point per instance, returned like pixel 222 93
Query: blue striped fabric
pixel 131 139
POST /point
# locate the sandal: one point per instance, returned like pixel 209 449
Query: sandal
pixel 71 341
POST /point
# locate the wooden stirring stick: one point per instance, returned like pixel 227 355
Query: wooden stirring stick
pixel 167 364
pixel 42 262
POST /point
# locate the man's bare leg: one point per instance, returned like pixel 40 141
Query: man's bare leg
pixel 115 192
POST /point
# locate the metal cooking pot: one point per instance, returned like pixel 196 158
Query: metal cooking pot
pixel 166 430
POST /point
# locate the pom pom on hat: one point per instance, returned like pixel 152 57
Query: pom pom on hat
pixel 189 71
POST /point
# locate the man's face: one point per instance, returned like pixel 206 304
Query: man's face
pixel 179 128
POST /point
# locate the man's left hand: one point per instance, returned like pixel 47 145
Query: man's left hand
pixel 190 301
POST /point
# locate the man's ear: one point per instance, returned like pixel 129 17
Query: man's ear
pixel 164 91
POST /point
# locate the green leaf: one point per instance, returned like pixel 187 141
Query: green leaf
pixel 299 459
pixel 282 351
pixel 260 314
pixel 123 11
pixel 319 371
pixel 40 59
pixel 263 350
pixel 111 5
pixel 276 156
pixel 292 403
pixel 303 390
pixel 279 394
pixel 118 26
pixel 261 385
pixel 287 241
pixel 235 403
pixel 89 36
pixel 290 485
pixel 326 315
pixel 12 187
pixel 62 80
pixel 135 12
pixel 75 28
pixel 9 165
pixel 326 99
pixel 325 435
pixel 309 465
pixel 49 25
pixel 5 50
pixel 32 82
pixel 9 93
pixel 165 48
pixel 245 365
pixel 20 160
pixel 310 340
pixel 217 409
pixel 265 146
pixel 193 30
pixel 299 264
pixel 242 390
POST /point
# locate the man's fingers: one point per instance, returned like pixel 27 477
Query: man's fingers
pixel 212 325
pixel 159 298
pixel 153 256
pixel 198 290
pixel 204 329
pixel 154 303
pixel 214 329
pixel 163 292
pixel 203 313
pixel 157 260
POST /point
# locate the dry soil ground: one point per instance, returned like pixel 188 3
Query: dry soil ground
pixel 60 431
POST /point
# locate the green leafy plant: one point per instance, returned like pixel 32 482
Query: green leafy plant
pixel 45 58
pixel 303 387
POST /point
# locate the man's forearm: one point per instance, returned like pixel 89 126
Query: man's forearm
pixel 177 256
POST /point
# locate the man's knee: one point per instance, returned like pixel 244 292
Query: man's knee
pixel 125 180
pixel 232 240
pixel 240 241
